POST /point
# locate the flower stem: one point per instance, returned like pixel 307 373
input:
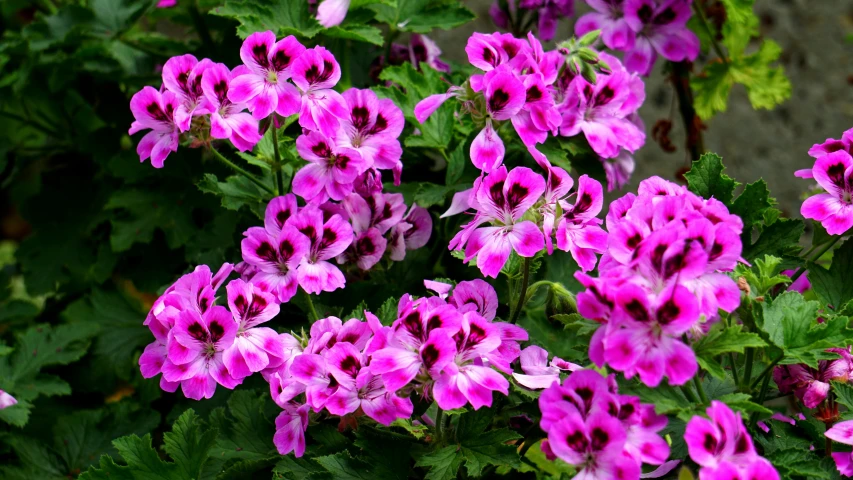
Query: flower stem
pixel 734 368
pixel 312 312
pixel 691 397
pixel 439 419
pixel 766 371
pixel 522 293
pixel 747 367
pixel 241 171
pixel 800 271
pixel 279 176
pixel 700 389
pixel 701 14
pixel 692 123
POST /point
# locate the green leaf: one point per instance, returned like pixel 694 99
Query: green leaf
pixel 751 204
pixel 422 16
pixel 707 179
pixel 236 192
pixel 343 466
pixel 411 87
pixel 843 393
pixel 834 285
pixel 780 238
pixel 245 433
pixel 141 212
pixel 388 311
pixel 443 464
pixel 721 339
pixel 456 162
pixel 741 402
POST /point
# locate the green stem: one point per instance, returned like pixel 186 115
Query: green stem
pixel 241 171
pixel 747 367
pixel 279 176
pixel 522 293
pixel 529 441
pixel 701 14
pixel 389 41
pixel 766 371
pixel 312 312
pixel 691 397
pixel 439 419
pixel 534 287
pixel 735 375
pixel 201 27
pixel 800 271
pixel 700 389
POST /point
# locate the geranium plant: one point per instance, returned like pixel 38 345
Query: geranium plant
pixel 297 239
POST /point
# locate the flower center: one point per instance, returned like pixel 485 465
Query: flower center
pixel 272 77
pixel 847 197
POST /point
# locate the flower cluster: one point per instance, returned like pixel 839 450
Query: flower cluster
pixel 603 434
pixel 842 432
pixel 643 29
pixel 521 210
pixel 295 246
pixel 811 385
pixel 532 89
pixel 660 279
pixel 516 16
pixel 723 448
pixel 444 347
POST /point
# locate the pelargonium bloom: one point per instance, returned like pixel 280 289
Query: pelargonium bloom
pixel 290 426
pixel 502 198
pixel 833 209
pixel 607 16
pixel 723 448
pixel 6 400
pixel 812 386
pixel 578 230
pixel 315 72
pixel 842 432
pixel 276 258
pixel 264 87
pixel 332 12
pixel 182 75
pixel 155 111
pixel 227 119
pixel 505 95
pixel 799 285
pixel 327 239
pixel 538 373
pixel 255 348
pixel 371 128
pixel 331 171
pixel 661 29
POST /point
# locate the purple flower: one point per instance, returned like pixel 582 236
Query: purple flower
pixel 6 400
pixel 799 285
pixel 290 426
pixel 723 448
pixel 832 145
pixel 502 198
pixel 609 17
pixel 538 373
pixel 833 209
pixel 254 348
pixel 371 128
pixel 332 12
pixel 331 171
pixel 315 72
pixel 227 119
pixel 328 238
pixel 264 87
pixel 578 230
pixel 842 432
pixel 276 258
pixel 156 112
pixel 812 386
pixel 661 28
pixel 182 75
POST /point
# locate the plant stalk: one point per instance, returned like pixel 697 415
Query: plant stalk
pixel 312 312
pixel 279 176
pixel 692 123
pixel 800 271
pixel 700 389
pixel 439 419
pixel 241 171
pixel 525 278
pixel 701 14
pixel 766 371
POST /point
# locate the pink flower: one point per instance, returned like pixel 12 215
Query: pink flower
pixel 607 16
pixel 156 112
pixel 6 400
pixel 328 239
pixel 315 72
pixel 505 95
pixel 182 75
pixel 842 432
pixel 332 12
pixel 290 426
pixel 578 230
pixel 264 87
pixel 227 119
pixel 331 171
pixel 254 348
pixel 195 352
pixel 833 209
pixel 799 285
pixel 723 448
pixel 661 28
pixel 371 128
pixel 812 386
pixel 410 234
pixel 538 374
pixel 832 145
pixel 276 258
pixel 502 198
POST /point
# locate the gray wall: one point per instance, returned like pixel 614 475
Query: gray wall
pixel 754 144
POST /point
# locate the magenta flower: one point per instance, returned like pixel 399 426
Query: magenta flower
pixel 723 448
pixel 227 119
pixel 578 230
pixel 328 239
pixel 423 50
pixel 489 51
pixel 661 29
pixel 264 88
pixel 315 72
pixel 331 171
pixel 182 75
pixel 6 400
pixel 609 17
pixel 505 95
pixel 833 209
pixel 195 352
pixel 602 111
pixel 410 234
pixel 538 373
pixel 255 348
pixel 366 250
pixel 332 12
pixel 166 3
pixel 276 258
pixel 371 128
pixel 832 145
pixel 842 432
pixel 290 426
pixel 156 112
pixel 812 386
pixel 503 198
pixel 475 296
pixel 799 285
